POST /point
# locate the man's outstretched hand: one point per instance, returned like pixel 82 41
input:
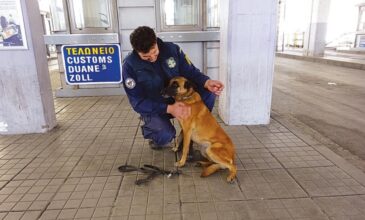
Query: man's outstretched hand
pixel 179 110
pixel 214 86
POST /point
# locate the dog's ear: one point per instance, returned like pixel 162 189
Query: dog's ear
pixel 188 85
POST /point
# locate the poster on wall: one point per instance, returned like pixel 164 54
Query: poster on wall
pixel 12 34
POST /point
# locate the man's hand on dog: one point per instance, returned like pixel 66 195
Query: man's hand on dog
pixel 214 86
pixel 179 110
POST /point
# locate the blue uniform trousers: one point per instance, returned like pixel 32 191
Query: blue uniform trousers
pixel 159 129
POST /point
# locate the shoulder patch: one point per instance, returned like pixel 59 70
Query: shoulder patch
pixel 171 63
pixel 130 83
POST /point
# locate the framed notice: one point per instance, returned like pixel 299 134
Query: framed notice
pixel 92 64
pixel 12 33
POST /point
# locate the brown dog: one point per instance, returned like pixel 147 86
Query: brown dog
pixel 203 129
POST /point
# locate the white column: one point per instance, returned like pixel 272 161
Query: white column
pixel 247 51
pixel 315 41
pixel 26 101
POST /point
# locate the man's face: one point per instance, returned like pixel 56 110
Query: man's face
pixel 151 55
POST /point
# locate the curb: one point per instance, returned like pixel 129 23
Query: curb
pixel 330 61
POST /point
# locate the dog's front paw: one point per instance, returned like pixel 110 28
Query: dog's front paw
pixel 175 148
pixel 230 179
pixel 180 163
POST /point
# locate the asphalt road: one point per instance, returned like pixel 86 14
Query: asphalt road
pixel 329 99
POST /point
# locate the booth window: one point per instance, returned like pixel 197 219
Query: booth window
pixel 181 15
pixel 58 16
pixel 213 9
pixel 91 16
pixel 188 15
pixel 361 26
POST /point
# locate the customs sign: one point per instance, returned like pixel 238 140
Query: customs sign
pixel 92 64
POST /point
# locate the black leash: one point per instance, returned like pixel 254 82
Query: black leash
pixel 151 170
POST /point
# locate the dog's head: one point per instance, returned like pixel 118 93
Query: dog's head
pixel 179 86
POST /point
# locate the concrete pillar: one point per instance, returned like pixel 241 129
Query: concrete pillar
pixel 247 49
pixel 315 39
pixel 26 101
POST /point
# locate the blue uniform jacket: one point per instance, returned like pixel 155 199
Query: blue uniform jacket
pixel 143 81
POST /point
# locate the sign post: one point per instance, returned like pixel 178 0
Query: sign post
pixel 92 64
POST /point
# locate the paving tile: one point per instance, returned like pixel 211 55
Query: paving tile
pixel 103 165
pixel 10 168
pixel 326 181
pixel 28 146
pixel 85 193
pixel 154 208
pixel 23 195
pixel 2 184
pixel 264 184
pixel 242 137
pixel 154 217
pixel 253 159
pixel 84 213
pixel 189 208
pixel 5 140
pixel 193 188
pixel 50 214
pixel 124 116
pixel 297 157
pixel 209 216
pixel 118 212
pixel 273 127
pixel 102 212
pixel 343 207
pixel 137 217
pixel 67 214
pixel 13 215
pixel 285 209
pixel 191 216
pixel 21 151
pixel 274 140
pixel 171 216
pixel 47 168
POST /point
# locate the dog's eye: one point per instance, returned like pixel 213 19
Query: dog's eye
pixel 175 84
pixel 187 85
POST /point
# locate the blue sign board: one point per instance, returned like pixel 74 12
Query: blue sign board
pixel 92 64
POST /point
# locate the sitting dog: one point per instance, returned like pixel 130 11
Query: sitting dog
pixel 203 129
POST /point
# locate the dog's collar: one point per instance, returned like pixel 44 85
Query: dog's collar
pixel 187 97
pixel 183 98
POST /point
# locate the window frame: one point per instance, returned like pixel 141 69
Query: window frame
pixel 112 7
pixel 163 27
pixel 205 17
pixel 361 14
pixel 67 22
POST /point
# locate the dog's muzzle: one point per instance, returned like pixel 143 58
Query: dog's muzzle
pixel 170 91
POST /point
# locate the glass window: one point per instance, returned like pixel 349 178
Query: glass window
pixel 58 16
pixel 91 13
pixel 181 14
pixel 213 9
pixel 361 26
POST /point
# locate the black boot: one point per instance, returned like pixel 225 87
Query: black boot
pixel 155 146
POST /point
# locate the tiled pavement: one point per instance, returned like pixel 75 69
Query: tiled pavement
pixel 71 173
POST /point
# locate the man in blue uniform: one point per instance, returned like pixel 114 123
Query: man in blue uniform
pixel 147 70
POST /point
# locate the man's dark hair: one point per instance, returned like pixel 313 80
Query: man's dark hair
pixel 142 39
